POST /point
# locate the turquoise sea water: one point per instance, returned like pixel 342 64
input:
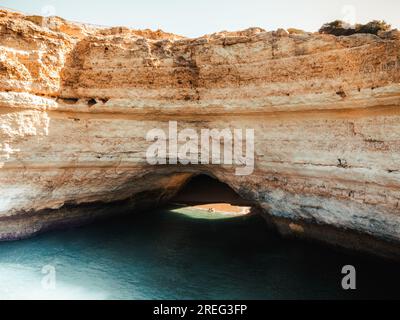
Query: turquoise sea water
pixel 184 254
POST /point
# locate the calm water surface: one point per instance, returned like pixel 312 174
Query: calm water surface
pixel 184 254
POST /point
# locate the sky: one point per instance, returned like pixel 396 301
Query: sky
pixel 195 18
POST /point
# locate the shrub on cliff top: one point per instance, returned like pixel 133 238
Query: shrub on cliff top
pixel 337 28
pixel 341 28
pixel 373 27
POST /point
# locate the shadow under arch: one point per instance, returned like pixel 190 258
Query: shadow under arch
pixel 204 188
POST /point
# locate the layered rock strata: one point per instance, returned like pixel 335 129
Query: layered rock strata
pixel 76 102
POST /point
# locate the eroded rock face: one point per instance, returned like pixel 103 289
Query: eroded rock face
pixel 76 102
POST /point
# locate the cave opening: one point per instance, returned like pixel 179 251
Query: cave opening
pixel 213 198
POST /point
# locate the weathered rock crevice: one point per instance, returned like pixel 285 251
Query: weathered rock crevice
pixel 76 102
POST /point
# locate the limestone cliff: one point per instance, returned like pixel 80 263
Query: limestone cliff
pixel 76 102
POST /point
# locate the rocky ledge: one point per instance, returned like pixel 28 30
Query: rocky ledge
pixel 76 102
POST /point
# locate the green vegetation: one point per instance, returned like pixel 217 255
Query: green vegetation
pixel 341 28
pixel 373 27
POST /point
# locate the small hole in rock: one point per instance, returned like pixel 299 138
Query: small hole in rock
pixel 91 102
pixel 68 100
pixel 341 93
